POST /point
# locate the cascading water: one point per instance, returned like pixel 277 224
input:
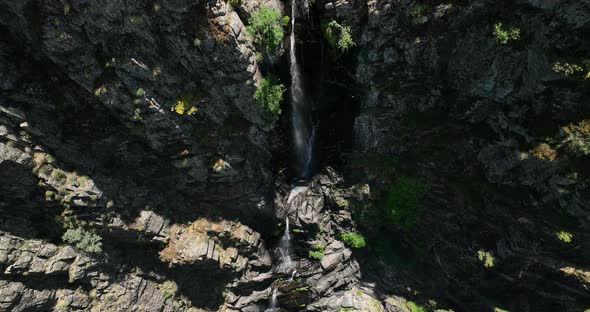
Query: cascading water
pixel 301 120
pixel 285 247
pixel 273 300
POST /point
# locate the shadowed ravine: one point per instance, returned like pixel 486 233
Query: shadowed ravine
pixel 303 127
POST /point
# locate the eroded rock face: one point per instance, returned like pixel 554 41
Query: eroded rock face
pixel 126 80
pixel 91 137
pixel 488 128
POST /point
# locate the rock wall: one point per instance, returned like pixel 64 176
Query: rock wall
pixel 131 119
pixel 135 121
pixel 489 127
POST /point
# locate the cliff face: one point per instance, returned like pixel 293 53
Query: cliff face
pixel 135 122
pixel 105 90
pixel 98 130
pixel 496 131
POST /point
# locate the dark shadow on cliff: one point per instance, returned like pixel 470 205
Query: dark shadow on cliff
pixel 22 209
pixel 467 220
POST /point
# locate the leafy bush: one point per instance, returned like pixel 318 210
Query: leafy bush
pixel 265 26
pixel 505 34
pixel 565 237
pixel 183 106
pixel 403 206
pixel 85 240
pixel 486 258
pixel 417 13
pixel 316 252
pixel 338 35
pixel 566 69
pixel 269 95
pixel 59 176
pixel 415 307
pixel 353 240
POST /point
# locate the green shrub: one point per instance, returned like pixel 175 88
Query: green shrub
pixel 566 69
pixel 185 105
pixel 338 36
pixel 316 252
pixel 269 95
pixel 59 175
pixel 417 12
pixel 265 27
pixel 403 206
pixel 505 34
pixel 564 236
pixel 415 307
pixel 85 240
pixel 353 240
pixel 486 258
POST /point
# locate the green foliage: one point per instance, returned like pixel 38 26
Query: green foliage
pixel 59 176
pixel 353 240
pixel 137 115
pixel 417 12
pixel 300 289
pixel 415 307
pixel 579 145
pixel 403 206
pixel 233 3
pixel 269 95
pixel 316 252
pixel 486 257
pixel 265 27
pixel 184 105
pixel 85 240
pixel 564 236
pixel 566 69
pixel 505 34
pixel 338 36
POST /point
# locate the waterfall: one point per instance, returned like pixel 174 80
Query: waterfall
pixel 293 275
pixel 301 121
pixel 273 300
pixel 285 247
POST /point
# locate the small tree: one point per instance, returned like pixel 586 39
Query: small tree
pixel 339 36
pixel 85 240
pixel 265 27
pixel 505 34
pixel 269 95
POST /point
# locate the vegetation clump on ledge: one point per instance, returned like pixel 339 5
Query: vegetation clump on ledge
pixel 85 240
pixel 353 240
pixel 505 34
pixel 266 28
pixel 269 95
pixel 316 252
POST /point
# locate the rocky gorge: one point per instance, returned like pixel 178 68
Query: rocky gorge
pixel 144 168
